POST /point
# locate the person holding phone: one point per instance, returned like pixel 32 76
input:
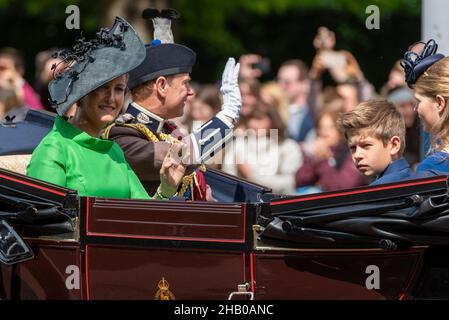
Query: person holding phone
pixel 343 68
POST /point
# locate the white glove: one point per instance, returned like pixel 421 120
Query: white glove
pixel 232 100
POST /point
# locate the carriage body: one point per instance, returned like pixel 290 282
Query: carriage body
pixel 379 242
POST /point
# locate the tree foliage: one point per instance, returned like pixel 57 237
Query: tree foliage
pixel 206 20
pixel 217 29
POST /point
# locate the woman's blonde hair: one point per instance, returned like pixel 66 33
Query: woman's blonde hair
pixel 280 101
pixel 433 82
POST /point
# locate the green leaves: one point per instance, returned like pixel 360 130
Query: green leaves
pixel 206 20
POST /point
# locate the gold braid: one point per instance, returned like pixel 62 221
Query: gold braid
pixel 188 180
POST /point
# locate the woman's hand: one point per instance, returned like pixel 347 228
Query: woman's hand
pixel 317 67
pixel 172 171
pixel 352 66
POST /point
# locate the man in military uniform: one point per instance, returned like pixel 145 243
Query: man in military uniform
pixel 160 87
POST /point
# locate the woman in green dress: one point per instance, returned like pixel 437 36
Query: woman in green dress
pixel 73 154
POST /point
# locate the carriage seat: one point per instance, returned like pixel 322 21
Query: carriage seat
pixel 16 163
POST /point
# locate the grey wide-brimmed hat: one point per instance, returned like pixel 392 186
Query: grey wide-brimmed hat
pixel 93 63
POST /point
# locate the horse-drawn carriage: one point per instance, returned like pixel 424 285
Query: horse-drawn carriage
pixel 380 242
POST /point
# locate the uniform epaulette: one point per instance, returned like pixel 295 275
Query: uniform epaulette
pixel 121 120
pixel 124 118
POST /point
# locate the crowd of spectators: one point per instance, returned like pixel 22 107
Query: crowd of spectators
pixel 286 138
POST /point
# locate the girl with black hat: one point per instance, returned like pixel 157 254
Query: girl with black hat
pixel 427 73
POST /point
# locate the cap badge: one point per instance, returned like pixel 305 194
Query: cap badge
pixel 143 118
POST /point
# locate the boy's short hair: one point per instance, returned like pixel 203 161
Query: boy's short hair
pixel 378 118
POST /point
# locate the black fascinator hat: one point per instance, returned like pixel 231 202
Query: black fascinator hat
pixel 91 64
pixel 416 61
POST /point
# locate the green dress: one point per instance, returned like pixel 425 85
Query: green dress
pixel 71 158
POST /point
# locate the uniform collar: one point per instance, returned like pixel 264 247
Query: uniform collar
pixel 145 117
pixel 395 166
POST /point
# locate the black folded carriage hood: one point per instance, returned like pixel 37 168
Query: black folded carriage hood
pixel 414 212
pixel 31 208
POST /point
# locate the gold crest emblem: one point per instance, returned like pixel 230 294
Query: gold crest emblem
pixel 164 293
pixel 143 118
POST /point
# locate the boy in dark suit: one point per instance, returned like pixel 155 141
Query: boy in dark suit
pixel 375 133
